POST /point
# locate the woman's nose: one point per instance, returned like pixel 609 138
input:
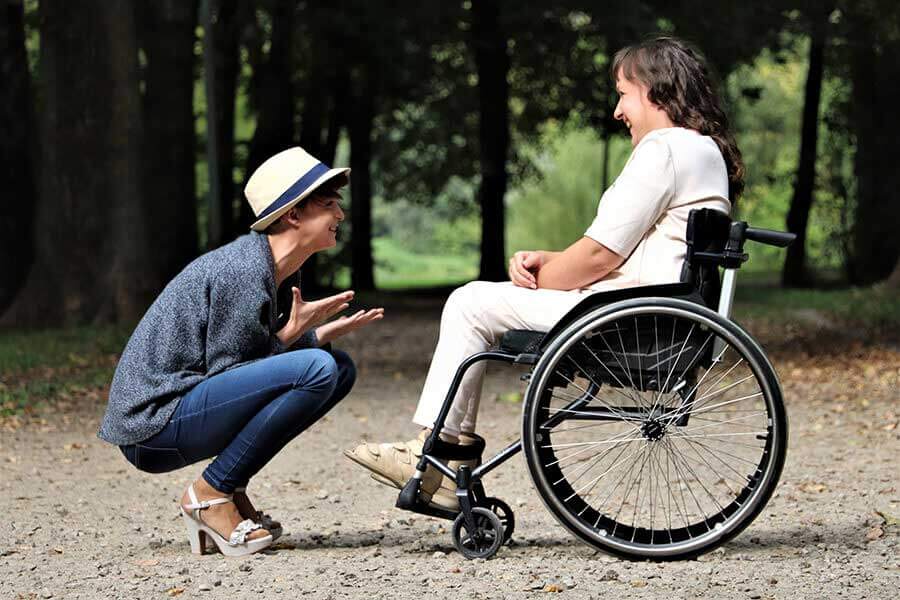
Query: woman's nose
pixel 340 213
pixel 617 115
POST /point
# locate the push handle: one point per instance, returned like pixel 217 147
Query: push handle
pixel 782 239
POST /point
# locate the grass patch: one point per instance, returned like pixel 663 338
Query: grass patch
pixel 397 268
pixel 873 307
pixel 41 366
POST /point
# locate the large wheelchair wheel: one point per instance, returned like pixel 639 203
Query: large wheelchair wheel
pixel 654 428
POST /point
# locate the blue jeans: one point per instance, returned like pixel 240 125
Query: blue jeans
pixel 246 415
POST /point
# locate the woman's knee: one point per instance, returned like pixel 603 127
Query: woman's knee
pixel 318 370
pixel 474 298
pixel 346 373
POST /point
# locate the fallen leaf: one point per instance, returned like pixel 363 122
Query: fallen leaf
pixel 147 562
pixel 553 588
pixel 638 583
pixel 890 426
pixel 174 591
pixel 874 533
pixel 812 487
pixel 889 520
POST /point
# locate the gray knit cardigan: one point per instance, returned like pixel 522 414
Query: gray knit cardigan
pixel 218 313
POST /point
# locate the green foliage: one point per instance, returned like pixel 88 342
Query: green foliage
pixel 397 267
pixel 419 246
pixel 553 208
pixel 767 104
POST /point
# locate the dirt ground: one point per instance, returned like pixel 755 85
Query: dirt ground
pixel 82 523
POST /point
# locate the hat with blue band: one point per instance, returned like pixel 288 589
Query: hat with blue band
pixel 284 180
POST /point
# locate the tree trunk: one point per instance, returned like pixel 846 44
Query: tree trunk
pixel 337 117
pixel 795 272
pixel 169 147
pixel 273 97
pixel 16 168
pixel 492 63
pixel 362 268
pixel 875 73
pixel 89 238
pixel 893 281
pixel 225 27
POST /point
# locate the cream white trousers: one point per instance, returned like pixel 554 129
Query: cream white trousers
pixel 474 319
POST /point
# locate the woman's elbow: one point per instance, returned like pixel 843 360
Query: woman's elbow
pixel 603 261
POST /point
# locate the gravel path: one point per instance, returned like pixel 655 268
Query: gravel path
pixel 84 524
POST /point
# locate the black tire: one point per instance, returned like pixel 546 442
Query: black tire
pixel 645 381
pixel 484 540
pixel 504 513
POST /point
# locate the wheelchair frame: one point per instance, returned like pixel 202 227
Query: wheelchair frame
pixel 714 241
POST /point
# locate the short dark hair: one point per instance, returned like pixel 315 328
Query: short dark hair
pixel 331 185
pixel 278 225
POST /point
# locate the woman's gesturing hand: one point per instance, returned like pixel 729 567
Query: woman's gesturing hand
pixel 305 315
pixel 344 325
pixel 523 266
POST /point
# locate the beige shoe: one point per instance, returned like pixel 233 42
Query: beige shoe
pixel 395 463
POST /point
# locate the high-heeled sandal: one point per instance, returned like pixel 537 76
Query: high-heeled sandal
pixel 237 543
pixel 267 522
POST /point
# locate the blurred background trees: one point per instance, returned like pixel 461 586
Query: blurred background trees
pixel 473 128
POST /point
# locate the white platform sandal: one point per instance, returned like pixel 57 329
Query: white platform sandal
pixel 236 545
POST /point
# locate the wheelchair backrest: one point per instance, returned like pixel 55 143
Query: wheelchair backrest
pixel 707 235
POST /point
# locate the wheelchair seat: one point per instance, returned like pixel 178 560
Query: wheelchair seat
pixel 524 341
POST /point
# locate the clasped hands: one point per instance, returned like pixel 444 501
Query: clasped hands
pixel 524 266
pixel 309 314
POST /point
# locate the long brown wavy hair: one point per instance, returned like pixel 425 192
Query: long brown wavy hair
pixel 678 80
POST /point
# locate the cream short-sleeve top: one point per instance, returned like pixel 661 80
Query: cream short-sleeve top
pixel 643 214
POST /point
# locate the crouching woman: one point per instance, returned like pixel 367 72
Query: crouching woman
pixel 228 361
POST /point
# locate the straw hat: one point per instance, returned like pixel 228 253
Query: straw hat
pixel 284 180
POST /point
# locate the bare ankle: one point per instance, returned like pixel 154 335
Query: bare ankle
pixel 447 437
pixel 204 490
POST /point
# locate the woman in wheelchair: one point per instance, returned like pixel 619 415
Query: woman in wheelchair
pixel 684 157
pixel 621 344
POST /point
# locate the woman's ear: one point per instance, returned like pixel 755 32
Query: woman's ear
pixel 294 215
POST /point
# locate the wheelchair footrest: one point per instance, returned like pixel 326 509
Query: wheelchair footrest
pixel 409 500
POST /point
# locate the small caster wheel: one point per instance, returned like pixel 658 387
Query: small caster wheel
pixel 504 513
pixel 484 540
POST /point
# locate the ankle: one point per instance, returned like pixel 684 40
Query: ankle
pixel 447 437
pixel 206 491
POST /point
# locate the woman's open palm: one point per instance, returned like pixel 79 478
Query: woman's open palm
pixel 305 315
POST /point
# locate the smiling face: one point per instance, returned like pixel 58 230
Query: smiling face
pixel 635 109
pixel 320 217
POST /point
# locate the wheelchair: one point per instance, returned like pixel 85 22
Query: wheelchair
pixel 653 426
